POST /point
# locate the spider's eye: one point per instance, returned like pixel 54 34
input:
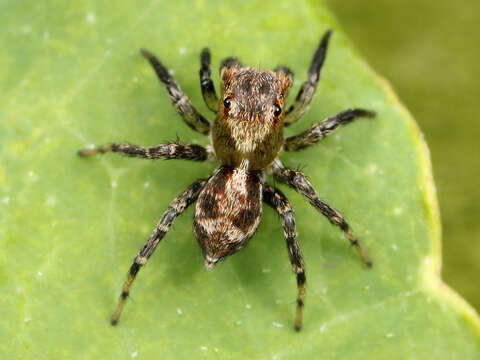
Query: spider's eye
pixel 227 103
pixel 277 111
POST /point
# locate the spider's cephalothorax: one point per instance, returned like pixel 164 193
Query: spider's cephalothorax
pixel 247 137
pixel 249 123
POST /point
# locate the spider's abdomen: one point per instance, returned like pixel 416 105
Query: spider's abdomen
pixel 227 213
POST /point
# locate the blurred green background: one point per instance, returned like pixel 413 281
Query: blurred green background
pixel 430 52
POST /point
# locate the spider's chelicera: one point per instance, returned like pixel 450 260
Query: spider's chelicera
pixel 247 138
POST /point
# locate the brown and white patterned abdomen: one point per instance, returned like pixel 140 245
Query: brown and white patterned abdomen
pixel 227 213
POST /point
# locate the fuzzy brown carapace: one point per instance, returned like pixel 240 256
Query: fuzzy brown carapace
pixel 247 138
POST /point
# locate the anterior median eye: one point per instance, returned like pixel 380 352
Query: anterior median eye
pixel 227 103
pixel 277 111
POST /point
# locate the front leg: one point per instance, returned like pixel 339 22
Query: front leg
pixel 319 130
pixel 306 92
pixel 177 206
pixel 180 100
pixel 164 151
pixel 206 83
pixel 279 202
pixel 297 180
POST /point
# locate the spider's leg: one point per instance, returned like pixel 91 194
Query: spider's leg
pixel 180 100
pixel 163 151
pixel 176 207
pixel 306 92
pixel 297 180
pixel 206 83
pixel 319 130
pixel 279 202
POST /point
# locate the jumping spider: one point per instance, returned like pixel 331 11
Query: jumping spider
pixel 247 138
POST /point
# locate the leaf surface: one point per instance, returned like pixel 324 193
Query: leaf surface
pixel 71 76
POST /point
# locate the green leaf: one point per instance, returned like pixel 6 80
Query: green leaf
pixel 71 75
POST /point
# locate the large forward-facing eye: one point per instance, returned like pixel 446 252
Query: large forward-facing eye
pixel 277 111
pixel 227 102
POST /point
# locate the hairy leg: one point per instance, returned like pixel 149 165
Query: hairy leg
pixel 305 95
pixel 176 207
pixel 180 100
pixel 206 83
pixel 297 180
pixel 164 151
pixel 279 202
pixel 319 130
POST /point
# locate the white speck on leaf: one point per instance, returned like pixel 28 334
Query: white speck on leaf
pixel 135 79
pixel 238 322
pixel 248 306
pixel 31 174
pixel 6 200
pixel 203 348
pixel 114 184
pixel 179 311
pixel 215 349
pixel 277 325
pixel 134 354
pixel 395 247
pixel 398 211
pixel 390 335
pixel 278 301
pixel 266 271
pixel 323 327
pixel 50 201
pixel 372 168
pixel 90 18
pixel 39 273
pixel 171 72
pixel 27 319
pixel 27 29
pixel 182 50
pixel 146 185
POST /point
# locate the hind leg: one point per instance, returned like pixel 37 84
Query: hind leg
pixel 279 202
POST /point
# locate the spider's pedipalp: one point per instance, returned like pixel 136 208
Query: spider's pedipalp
pixel 180 100
pixel 284 71
pixel 279 202
pixel 176 207
pixel 306 92
pixel 228 63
